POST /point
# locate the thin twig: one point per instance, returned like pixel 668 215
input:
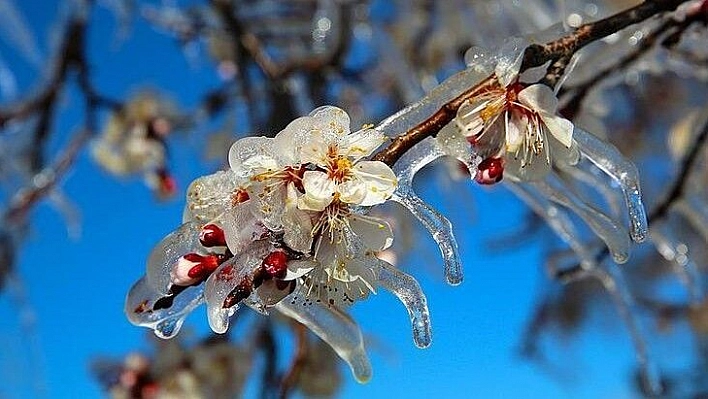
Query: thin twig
pixel 293 372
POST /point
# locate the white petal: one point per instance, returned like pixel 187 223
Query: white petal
pixel 515 131
pixel 319 191
pixel 298 268
pixel 468 118
pixel 315 146
pixel 352 191
pixel 360 144
pixel 333 119
pixel 297 224
pixel 559 127
pixel 374 232
pixel 379 179
pixel 539 98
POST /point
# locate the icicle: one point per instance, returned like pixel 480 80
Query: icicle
pixel 695 210
pixel 676 252
pixel 612 162
pixel 588 174
pixel 165 321
pixel 407 289
pixel 334 327
pixel 613 282
pixel 614 236
pixel 165 254
pixel 437 225
pixel 557 219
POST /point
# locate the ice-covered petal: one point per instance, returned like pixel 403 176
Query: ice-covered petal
pixel 297 224
pixel 241 227
pixel 611 161
pixel 379 180
pixel 319 191
pixel 334 327
pixel 361 144
pixel 165 320
pixel 468 118
pixel 408 291
pixel 375 233
pixel 509 57
pixel 539 98
pixel 333 118
pixel 252 155
pixel 209 196
pixel 560 128
pixel 167 253
pixel 298 268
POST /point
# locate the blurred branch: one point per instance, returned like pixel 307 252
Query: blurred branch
pixel 675 28
pixel 293 372
pixel 563 49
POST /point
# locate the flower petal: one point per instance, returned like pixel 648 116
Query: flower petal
pixel 360 144
pixel 559 127
pixel 540 98
pixel 298 268
pixel 332 119
pixel 319 191
pixel 379 180
pixel 297 224
pixel 258 148
pixel 375 233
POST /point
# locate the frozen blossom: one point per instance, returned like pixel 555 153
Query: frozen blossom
pixel 287 224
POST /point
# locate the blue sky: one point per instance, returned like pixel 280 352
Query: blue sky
pixel 76 287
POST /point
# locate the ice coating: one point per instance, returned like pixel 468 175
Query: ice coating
pixel 611 161
pixel 676 252
pixel 613 282
pixel 221 283
pixel 412 115
pixel 613 235
pixel 407 289
pixel 589 174
pixel 335 328
pixel 558 220
pixel 165 254
pixel 437 225
pixel 165 321
pixel 208 196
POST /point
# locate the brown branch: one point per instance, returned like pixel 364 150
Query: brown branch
pixel 681 181
pixel 539 54
pixel 44 181
pixel 432 125
pixel 293 372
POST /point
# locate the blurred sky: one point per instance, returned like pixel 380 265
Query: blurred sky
pixel 76 286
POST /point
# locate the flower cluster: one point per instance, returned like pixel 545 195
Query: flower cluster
pixel 514 127
pixel 286 227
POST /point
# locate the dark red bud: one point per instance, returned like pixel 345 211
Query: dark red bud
pixel 276 264
pixel 238 294
pixel 490 171
pixel 212 236
pixel 205 264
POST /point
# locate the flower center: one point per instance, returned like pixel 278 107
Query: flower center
pixel 339 168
